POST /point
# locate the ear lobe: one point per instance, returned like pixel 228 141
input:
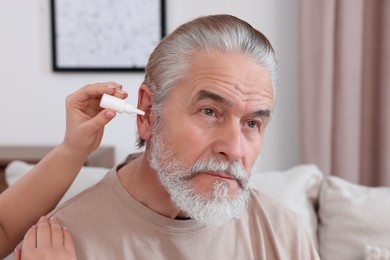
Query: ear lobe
pixel 145 100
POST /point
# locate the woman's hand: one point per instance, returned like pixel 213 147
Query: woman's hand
pixel 46 240
pixel 85 119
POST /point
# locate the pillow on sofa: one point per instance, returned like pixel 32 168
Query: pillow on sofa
pixel 297 188
pixel 351 217
pixel 376 253
pixel 87 177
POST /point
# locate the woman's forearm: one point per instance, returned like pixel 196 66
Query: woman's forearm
pixel 36 194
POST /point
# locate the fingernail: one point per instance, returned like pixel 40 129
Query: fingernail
pixel 111 86
pixel 53 218
pixel 109 114
pixel 121 91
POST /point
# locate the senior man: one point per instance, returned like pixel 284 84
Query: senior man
pixel 208 95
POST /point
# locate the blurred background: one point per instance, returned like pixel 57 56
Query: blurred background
pixel 32 96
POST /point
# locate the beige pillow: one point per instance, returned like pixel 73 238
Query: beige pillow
pixel 297 188
pixel 351 217
pixel 87 177
pixel 376 253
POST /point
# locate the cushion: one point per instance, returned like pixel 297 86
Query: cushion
pixel 87 177
pixel 376 253
pixel 297 188
pixel 351 217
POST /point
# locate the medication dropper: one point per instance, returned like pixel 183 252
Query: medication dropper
pixel 119 105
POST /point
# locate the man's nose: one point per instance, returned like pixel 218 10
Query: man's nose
pixel 230 142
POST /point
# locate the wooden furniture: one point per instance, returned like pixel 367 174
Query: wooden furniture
pixel 102 157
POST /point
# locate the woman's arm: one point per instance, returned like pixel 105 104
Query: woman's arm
pixel 39 191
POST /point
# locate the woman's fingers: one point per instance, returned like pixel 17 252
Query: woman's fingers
pixel 30 239
pixel 96 90
pixel 56 232
pixel 46 240
pixel 99 121
pixel 17 254
pixel 43 232
pixel 84 104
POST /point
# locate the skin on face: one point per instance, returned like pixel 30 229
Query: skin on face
pixel 219 110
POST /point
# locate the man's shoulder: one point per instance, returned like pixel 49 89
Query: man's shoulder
pixel 261 199
pixel 281 226
pixel 263 206
pixel 86 199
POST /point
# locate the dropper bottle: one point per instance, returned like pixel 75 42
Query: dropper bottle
pixel 119 105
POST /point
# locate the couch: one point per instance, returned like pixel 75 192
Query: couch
pixel 345 220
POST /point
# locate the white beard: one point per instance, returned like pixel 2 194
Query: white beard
pixel 215 209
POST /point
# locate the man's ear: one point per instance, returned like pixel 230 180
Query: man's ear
pixel 145 100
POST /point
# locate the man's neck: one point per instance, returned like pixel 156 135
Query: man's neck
pixel 141 182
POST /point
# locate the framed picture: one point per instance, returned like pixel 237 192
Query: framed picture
pixel 101 35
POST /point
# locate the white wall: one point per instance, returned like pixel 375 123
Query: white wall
pixel 32 97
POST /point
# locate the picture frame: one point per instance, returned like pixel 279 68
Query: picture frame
pixel 101 35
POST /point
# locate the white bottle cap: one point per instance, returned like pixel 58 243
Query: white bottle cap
pixel 119 105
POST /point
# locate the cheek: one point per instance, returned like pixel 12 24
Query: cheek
pixel 186 141
pixel 252 152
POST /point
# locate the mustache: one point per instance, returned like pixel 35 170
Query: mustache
pixel 234 169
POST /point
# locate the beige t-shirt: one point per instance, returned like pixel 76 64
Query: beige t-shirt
pixel 106 222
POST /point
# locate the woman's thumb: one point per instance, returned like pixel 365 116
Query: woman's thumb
pixel 101 119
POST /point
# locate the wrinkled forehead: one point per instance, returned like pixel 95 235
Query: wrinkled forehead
pixel 231 76
pixel 235 69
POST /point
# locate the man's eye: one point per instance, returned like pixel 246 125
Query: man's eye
pixel 208 112
pixel 252 124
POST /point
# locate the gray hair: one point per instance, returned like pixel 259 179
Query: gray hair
pixel 171 58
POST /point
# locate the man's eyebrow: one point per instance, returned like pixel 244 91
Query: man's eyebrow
pixel 204 94
pixel 262 113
